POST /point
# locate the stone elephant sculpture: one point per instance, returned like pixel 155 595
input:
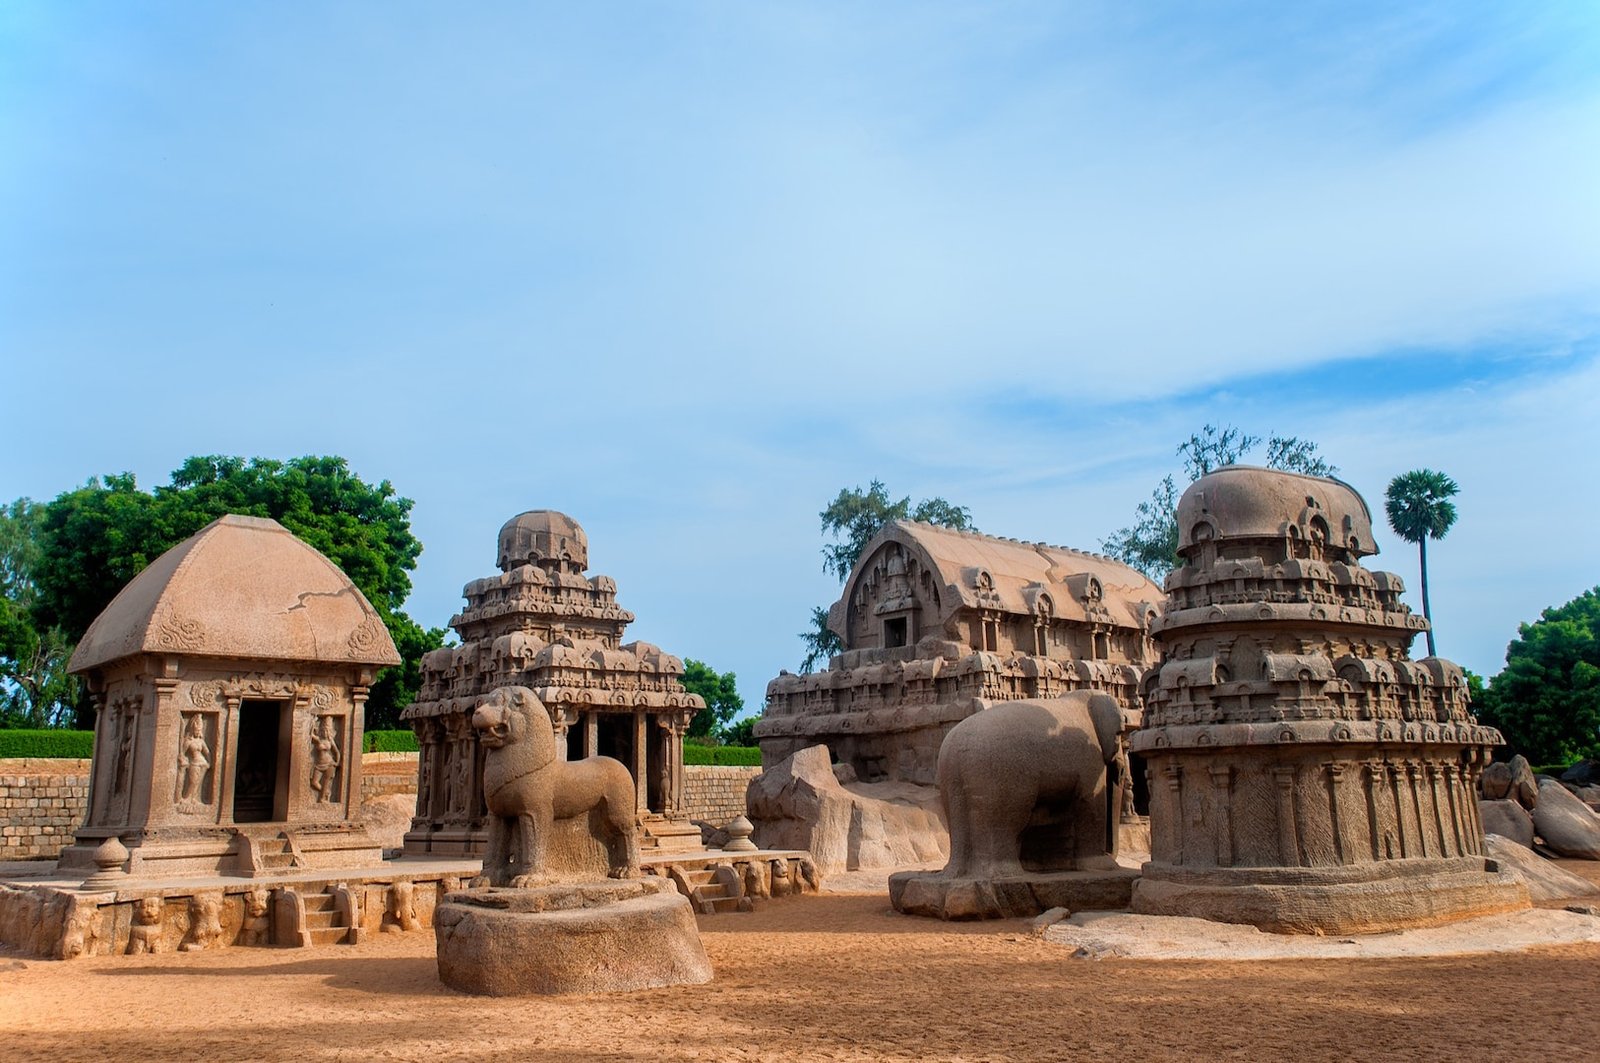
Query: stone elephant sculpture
pixel 1025 786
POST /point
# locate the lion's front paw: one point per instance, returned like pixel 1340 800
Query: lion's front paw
pixel 528 882
pixel 626 872
pixel 480 883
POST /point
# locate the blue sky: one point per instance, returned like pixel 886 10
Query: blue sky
pixel 683 271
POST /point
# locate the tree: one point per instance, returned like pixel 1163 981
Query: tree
pixel 35 689
pixel 89 542
pixel 1150 543
pixel 721 692
pixel 1546 701
pixel 740 732
pixel 1419 508
pixel 852 519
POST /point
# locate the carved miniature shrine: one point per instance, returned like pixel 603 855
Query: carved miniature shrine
pixel 1305 773
pixel 231 677
pixel 544 625
pixel 933 620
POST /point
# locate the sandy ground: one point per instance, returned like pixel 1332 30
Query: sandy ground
pixel 832 977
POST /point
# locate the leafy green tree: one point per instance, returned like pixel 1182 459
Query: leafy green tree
pixel 852 520
pixel 91 541
pixel 1150 543
pixel 740 732
pixel 1419 508
pixel 721 692
pixel 35 689
pixel 1546 701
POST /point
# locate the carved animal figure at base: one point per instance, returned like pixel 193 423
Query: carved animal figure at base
pixel 1038 768
pixel 527 788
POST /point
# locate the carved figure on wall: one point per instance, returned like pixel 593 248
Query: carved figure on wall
pixel 124 748
pixel 257 926
pixel 145 934
pixel 324 760
pixel 527 788
pixel 194 761
pixel 402 914
pixel 205 922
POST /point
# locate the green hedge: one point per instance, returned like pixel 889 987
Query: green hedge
pixel 1551 769
pixel 71 745
pixel 391 742
pixel 727 756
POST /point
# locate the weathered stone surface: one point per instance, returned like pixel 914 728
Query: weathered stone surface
pixel 529 787
pixel 387 818
pixel 601 937
pixel 1524 788
pixel 800 804
pixel 1567 825
pixel 1583 773
pixel 934 621
pixel 1495 782
pixel 1507 819
pixel 231 677
pixel 1305 773
pixel 1545 881
pixel 541 623
pixel 939 896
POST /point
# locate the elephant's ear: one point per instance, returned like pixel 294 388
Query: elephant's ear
pixel 1107 717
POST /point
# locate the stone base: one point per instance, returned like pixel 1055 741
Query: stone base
pixel 1359 899
pixel 607 936
pixel 930 893
pixel 254 849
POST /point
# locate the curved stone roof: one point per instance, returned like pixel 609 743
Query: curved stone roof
pixel 983 571
pixel 240 587
pixel 543 537
pixel 1249 502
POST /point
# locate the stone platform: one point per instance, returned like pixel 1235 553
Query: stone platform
pixel 1358 899
pixel 47 912
pixel 606 936
pixel 932 894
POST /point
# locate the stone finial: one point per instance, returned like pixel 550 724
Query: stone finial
pixel 108 857
pixel 739 836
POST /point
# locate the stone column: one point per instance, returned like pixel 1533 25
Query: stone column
pixel 1288 838
pixel 591 733
pixel 641 760
pixel 355 728
pixel 228 755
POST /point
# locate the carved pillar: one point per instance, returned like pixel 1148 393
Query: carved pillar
pixel 1344 848
pixel 355 729
pixel 228 753
pixel 1413 774
pixel 159 723
pixel 424 729
pixel 1373 784
pixel 641 760
pixel 1172 822
pixel 591 733
pixel 1406 845
pixel 1288 838
pixel 561 721
pixel 1221 784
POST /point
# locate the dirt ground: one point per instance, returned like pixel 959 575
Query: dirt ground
pixel 831 977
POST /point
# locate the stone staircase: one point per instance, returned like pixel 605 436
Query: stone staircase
pixel 323 920
pixel 306 920
pixel 712 889
pixel 267 856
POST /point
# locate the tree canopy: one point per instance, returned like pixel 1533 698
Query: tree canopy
pixel 721 692
pixel 851 520
pixel 1150 543
pixel 1419 508
pixel 1546 701
pixel 84 546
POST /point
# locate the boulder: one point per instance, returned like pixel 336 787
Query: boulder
pixel 1507 819
pixel 1583 773
pixel 388 817
pixel 1524 785
pixel 800 803
pixel 1495 782
pixel 1567 825
pixel 1545 881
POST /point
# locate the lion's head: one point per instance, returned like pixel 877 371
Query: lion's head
pixel 506 714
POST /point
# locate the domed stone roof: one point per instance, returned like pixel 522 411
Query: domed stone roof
pixel 1248 502
pixel 240 587
pixel 545 538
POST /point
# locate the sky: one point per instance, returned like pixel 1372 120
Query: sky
pixel 684 271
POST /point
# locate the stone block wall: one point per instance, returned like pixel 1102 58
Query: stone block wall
pixel 714 793
pixel 42 801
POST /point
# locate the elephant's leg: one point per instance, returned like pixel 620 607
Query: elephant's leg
pixel 997 832
pixel 958 817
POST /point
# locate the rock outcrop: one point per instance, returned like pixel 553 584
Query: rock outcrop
pixel 799 803
pixel 1567 825
pixel 1508 819
pixel 1545 881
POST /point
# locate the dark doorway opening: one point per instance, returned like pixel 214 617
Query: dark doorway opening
pixel 894 632
pixel 615 735
pixel 256 762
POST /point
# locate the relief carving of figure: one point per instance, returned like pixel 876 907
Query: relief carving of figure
pixel 145 934
pixel 324 760
pixel 256 923
pixel 194 760
pixel 124 749
pixel 205 922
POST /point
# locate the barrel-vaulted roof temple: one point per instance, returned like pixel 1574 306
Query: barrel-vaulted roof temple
pixel 231 678
pixel 933 620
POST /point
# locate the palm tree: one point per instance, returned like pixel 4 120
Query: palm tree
pixel 1420 509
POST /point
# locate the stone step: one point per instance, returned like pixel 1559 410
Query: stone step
pixel 321 920
pixel 711 892
pixel 318 902
pixel 334 935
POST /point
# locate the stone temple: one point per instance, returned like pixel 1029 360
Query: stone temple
pixel 542 624
pixel 934 621
pixel 1305 774
pixel 231 678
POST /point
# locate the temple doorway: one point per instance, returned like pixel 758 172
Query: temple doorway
pixel 258 795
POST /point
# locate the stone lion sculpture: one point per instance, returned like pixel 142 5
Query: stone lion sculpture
pixel 528 789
